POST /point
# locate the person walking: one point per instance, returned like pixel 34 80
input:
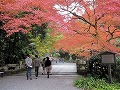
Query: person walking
pixel 63 60
pixel 28 62
pixel 43 65
pixel 48 66
pixel 36 65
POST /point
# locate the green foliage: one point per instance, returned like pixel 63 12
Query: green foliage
pixel 74 57
pixel 46 44
pixel 118 59
pixel 15 47
pixel 64 54
pixel 55 53
pixel 22 14
pixel 11 47
pixel 116 69
pixel 96 69
pixel 39 31
pixel 42 39
pixel 90 83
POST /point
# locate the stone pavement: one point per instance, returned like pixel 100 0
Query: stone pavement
pixel 62 78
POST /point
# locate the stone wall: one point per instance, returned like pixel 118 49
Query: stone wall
pixel 81 67
pixel 13 67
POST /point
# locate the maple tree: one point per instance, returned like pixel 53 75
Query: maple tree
pixel 85 24
pixel 96 29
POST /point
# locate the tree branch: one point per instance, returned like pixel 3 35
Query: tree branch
pixel 82 18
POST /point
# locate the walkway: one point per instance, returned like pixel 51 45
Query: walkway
pixel 62 78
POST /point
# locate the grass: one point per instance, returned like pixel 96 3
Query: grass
pixel 89 83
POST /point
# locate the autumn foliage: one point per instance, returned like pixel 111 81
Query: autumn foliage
pixel 85 24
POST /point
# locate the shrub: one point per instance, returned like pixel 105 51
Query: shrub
pixel 91 83
pixel 116 69
pixel 96 69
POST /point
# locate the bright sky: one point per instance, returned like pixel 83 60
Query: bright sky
pixel 74 7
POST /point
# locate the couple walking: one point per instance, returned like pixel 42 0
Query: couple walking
pixel 46 64
pixel 29 66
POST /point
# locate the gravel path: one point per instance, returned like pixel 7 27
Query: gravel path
pixel 57 81
pixel 42 83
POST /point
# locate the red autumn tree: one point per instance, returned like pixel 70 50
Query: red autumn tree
pixel 86 23
pixel 97 28
pixel 20 15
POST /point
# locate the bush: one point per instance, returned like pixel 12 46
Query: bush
pixel 116 69
pixel 91 83
pixel 96 69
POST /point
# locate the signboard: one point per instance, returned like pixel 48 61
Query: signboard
pixel 108 59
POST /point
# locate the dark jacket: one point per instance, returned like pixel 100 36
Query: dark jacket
pixel 47 63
